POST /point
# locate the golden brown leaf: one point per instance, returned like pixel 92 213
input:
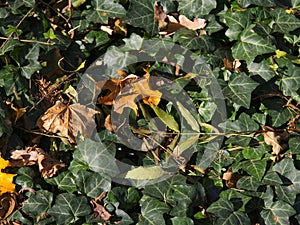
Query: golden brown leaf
pixel 68 120
pixel 140 87
pixel 275 139
pixel 114 86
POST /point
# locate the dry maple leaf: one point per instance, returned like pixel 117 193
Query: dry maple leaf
pixel 48 166
pixel 275 139
pixel 68 120
pixel 128 96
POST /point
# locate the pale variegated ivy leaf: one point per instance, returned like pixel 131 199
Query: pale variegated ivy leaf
pixel 239 89
pixel 196 8
pixel 250 45
pixel 102 10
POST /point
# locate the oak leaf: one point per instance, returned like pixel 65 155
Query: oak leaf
pixel 128 96
pixel 68 120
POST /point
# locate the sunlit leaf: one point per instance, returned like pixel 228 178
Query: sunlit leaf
pixel 239 89
pixel 250 45
pixel 102 10
pixel 196 8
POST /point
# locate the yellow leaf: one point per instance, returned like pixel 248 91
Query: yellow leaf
pixel 6 184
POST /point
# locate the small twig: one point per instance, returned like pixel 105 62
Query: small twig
pixel 28 41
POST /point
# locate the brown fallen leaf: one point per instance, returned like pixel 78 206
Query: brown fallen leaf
pixel 275 139
pixel 231 178
pixel 167 24
pixel 68 120
pixel 114 86
pixel 48 166
pixel 127 97
pixel 99 210
pixel 232 66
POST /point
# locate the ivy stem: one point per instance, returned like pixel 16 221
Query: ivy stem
pixel 27 41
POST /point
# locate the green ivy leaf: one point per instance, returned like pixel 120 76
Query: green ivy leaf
pixel 196 8
pixel 239 89
pixel 250 45
pixel 248 183
pixel 187 38
pixel 290 82
pixel 97 37
pixel 266 3
pixel 102 10
pixel 226 214
pixel 64 181
pixel 277 213
pixel 141 14
pixel 255 167
pixel 284 22
pixel 7 78
pixel 69 207
pixel 152 211
pixel 182 221
pixel 271 178
pixel 92 184
pixel 38 203
pixel 294 145
pixel 262 69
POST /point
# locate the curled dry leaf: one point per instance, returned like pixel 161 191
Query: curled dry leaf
pixel 68 120
pixel 7 204
pixel 48 166
pixel 275 139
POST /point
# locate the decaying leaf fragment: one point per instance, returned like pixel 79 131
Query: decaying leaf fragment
pixel 99 210
pixel 68 120
pixel 275 139
pixel 48 166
